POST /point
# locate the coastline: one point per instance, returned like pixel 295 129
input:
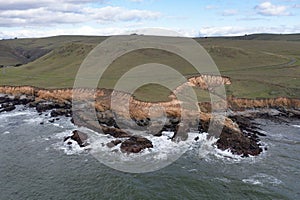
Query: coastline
pixel 239 134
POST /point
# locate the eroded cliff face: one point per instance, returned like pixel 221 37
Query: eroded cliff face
pixel 242 104
pixel 208 81
pixel 104 99
pixel 110 104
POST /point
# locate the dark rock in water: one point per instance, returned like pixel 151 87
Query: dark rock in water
pixel 61 112
pixel 115 132
pixel 238 143
pixel 23 100
pixel 135 144
pixel 41 123
pixel 142 122
pixel 4 99
pixel 44 106
pixel 6 107
pixel 107 117
pixel 33 104
pixel 16 100
pixel 113 143
pixel 79 137
pixel 52 120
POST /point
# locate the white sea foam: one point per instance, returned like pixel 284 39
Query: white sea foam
pixel 14 114
pixel 6 132
pixel 164 150
pixel 34 120
pixel 297 126
pixel 225 180
pixel 262 179
pixel 71 147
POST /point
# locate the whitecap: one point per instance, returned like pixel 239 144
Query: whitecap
pixel 71 147
pixel 296 126
pixel 225 180
pixel 261 179
pixel 34 120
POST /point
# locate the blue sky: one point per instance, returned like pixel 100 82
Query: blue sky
pixel 37 18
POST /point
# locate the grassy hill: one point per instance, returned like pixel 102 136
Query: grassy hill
pixel 260 66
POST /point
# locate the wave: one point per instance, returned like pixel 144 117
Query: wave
pixel 296 126
pixel 262 179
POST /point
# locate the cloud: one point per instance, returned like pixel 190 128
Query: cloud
pixel 296 6
pixel 268 9
pixel 30 4
pixel 137 1
pixel 237 30
pixel 210 7
pixel 68 12
pixel 230 12
pixel 88 30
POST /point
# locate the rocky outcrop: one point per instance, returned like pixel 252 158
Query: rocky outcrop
pixel 79 137
pixel 239 134
pixel 135 144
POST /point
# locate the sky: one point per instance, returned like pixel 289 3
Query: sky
pixel 191 18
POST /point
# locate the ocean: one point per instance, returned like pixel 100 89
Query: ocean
pixel 35 163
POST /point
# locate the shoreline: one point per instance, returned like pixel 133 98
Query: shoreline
pixel 239 134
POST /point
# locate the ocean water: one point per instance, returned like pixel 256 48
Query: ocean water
pixel 35 163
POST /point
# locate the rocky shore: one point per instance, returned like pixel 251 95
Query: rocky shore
pixel 240 134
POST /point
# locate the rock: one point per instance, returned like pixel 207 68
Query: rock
pixel 4 99
pixel 6 107
pixel 113 143
pixel 52 120
pixel 115 132
pixel 44 106
pixel 135 144
pixel 238 143
pixel 61 112
pixel 107 117
pixel 79 137
pixel 142 122
pixel 23 100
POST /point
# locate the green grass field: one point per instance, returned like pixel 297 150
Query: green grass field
pixel 260 66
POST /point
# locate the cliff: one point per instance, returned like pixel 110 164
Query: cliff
pixel 110 103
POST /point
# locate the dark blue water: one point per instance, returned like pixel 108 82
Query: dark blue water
pixel 35 164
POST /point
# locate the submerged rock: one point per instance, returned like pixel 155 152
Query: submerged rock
pixel 113 143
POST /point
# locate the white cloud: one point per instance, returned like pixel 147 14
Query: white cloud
pixel 49 12
pixel 237 30
pixel 88 30
pixel 137 1
pixel 230 12
pixel 210 7
pixel 29 4
pixel 268 9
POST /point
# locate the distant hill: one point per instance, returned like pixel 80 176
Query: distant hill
pixel 21 51
pixel 266 36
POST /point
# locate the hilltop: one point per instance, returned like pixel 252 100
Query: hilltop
pixel 259 65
